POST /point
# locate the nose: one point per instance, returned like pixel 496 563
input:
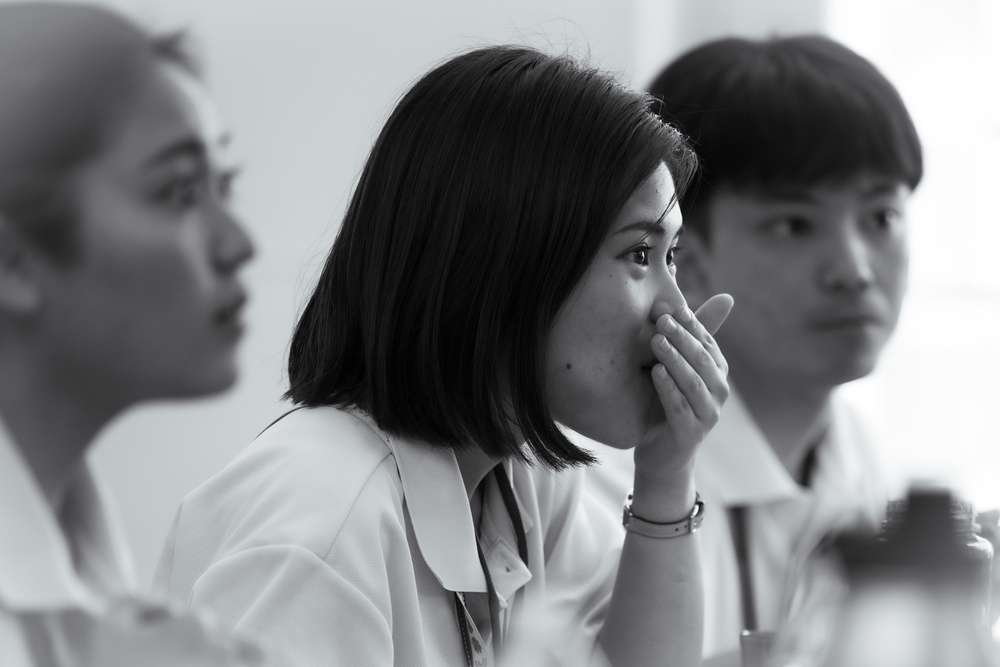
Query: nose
pixel 231 245
pixel 848 265
pixel 668 299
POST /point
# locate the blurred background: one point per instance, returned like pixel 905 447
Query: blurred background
pixel 306 84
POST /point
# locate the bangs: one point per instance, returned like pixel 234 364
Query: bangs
pixel 812 137
pixel 792 112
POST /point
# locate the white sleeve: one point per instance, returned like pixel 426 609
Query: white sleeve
pixel 314 579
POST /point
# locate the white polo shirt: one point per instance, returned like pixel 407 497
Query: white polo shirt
pixel 336 544
pixel 38 578
pixel 736 466
pixel 68 593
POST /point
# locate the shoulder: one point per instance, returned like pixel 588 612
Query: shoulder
pixel 297 483
pixel 563 509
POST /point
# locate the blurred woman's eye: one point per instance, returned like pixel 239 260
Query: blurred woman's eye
pixel 226 183
pixel 183 192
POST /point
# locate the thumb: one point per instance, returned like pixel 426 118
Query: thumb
pixel 714 312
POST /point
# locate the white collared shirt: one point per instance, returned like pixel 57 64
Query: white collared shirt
pixel 736 466
pixel 336 544
pixel 38 577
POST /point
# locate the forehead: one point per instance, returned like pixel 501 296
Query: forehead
pixel 652 203
pixel 861 187
pixel 170 115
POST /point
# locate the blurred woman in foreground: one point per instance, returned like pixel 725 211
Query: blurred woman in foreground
pixel 118 263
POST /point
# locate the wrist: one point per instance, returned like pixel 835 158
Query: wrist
pixel 663 500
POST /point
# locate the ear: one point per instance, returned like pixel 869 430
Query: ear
pixel 20 287
pixel 693 272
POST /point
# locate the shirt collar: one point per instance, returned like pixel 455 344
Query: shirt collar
pixel 36 568
pixel 738 463
pixel 439 510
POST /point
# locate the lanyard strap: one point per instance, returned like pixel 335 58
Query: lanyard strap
pixel 510 503
pixel 741 541
pixel 738 526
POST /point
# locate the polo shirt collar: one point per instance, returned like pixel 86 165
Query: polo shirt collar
pixel 738 463
pixel 440 513
pixel 36 567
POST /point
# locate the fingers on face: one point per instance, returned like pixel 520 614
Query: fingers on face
pixel 698 340
pixel 694 370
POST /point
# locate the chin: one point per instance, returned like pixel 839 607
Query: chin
pixel 851 370
pixel 206 382
pixel 616 433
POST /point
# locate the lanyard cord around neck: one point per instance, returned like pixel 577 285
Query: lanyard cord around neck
pixel 510 503
pixel 741 541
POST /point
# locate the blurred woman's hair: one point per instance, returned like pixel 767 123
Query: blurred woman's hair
pixel 68 74
pixel 482 204
pixel 795 112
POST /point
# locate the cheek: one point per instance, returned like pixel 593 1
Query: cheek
pixel 892 270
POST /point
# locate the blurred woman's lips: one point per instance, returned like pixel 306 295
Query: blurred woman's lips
pixel 229 316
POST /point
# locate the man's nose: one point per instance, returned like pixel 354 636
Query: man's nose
pixel 848 265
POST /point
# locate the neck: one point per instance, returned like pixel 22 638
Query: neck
pixel 52 422
pixel 793 418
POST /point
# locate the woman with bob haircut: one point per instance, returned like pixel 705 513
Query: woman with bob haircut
pixel 506 263
pixel 119 261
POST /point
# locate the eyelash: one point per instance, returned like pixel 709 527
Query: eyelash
pixel 183 191
pixel 187 191
pixel 645 249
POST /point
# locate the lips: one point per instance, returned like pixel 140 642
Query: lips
pixel 229 313
pixel 846 321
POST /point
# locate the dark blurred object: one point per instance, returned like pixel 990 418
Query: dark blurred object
pixel 965 529
pixel 916 590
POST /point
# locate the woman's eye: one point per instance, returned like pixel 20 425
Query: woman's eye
pixel 184 192
pixel 640 255
pixel 672 255
pixel 225 184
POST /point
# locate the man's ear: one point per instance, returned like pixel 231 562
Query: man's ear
pixel 20 287
pixel 693 272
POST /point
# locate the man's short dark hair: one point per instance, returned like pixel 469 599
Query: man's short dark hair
pixel 482 204
pixel 784 112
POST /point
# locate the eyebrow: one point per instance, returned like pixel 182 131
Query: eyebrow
pixel 652 227
pixel 188 147
pixel 804 195
pixel 184 148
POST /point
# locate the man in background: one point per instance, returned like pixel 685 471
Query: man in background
pixel 808 159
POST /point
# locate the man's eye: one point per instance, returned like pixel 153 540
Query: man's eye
pixel 887 218
pixel 791 226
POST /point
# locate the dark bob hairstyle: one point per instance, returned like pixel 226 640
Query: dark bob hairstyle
pixel 482 204
pixel 68 74
pixel 798 111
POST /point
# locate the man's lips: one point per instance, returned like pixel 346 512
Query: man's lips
pixel 845 321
